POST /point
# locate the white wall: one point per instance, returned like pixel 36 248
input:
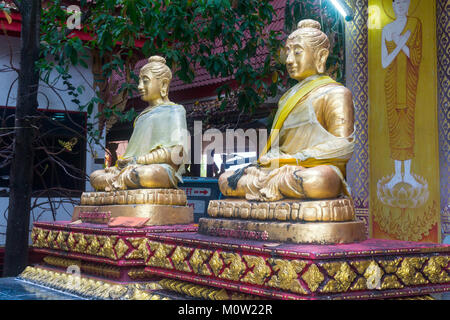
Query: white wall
pixel 47 98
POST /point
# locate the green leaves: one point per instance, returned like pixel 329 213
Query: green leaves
pixel 225 37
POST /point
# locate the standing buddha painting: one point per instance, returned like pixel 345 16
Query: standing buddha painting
pixel 403 128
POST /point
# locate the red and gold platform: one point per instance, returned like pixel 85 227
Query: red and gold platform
pixel 114 253
pixel 371 269
pixel 178 259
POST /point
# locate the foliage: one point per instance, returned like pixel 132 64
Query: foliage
pixel 222 36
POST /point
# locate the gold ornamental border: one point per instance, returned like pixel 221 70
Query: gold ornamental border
pixel 90 288
pixel 338 210
pixel 304 277
pixel 278 249
pixel 99 248
pixel 139 196
pixel 203 292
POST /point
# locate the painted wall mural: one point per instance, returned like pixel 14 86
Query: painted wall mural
pixel 403 128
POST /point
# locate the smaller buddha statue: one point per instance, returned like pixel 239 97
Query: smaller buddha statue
pixel 143 183
pixel 154 157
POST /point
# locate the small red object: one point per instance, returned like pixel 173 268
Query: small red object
pixel 131 222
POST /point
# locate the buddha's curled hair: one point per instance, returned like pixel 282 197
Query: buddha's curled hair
pixel 310 30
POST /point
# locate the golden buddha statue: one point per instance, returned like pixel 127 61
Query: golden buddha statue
pixel 313 127
pixel 149 171
pixel 300 175
pixel 154 155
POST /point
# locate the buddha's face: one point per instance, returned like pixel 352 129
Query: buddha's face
pixel 149 87
pixel 300 61
pixel 401 7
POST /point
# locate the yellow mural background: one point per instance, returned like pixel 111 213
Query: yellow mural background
pixel 421 223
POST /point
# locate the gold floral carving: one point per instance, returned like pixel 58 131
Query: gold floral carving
pixel 71 242
pixel 391 282
pixel 286 276
pixel 259 270
pixel 107 249
pixel 342 275
pixel 235 267
pixel 138 274
pixel 121 248
pixel 390 266
pixel 198 261
pixel 81 242
pixel 89 288
pixel 216 263
pixel 409 271
pixel 139 196
pixel 312 211
pixel 435 269
pixel 140 250
pixel 194 290
pixel 61 240
pixel 50 238
pixel 179 258
pixel 41 238
pixel 161 252
pixel 361 267
pixel 313 277
pixel 94 245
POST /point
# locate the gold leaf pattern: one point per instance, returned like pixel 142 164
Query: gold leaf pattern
pixel 198 259
pixel 121 248
pixel 216 263
pixel 259 272
pixel 313 277
pixel 408 271
pixel 235 266
pixel 179 258
pixel 287 275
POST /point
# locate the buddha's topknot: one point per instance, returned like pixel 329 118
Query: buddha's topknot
pixel 157 59
pixel 157 66
pixel 309 23
pixel 310 31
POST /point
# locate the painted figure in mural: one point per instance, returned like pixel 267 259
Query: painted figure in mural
pixel 154 157
pixel 401 54
pixel 312 136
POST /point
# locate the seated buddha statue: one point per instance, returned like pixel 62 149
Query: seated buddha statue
pixel 312 134
pixel 154 157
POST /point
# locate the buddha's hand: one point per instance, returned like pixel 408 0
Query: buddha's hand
pixel 172 156
pixel 264 161
pixel 124 162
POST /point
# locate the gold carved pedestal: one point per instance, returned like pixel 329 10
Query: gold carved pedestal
pixel 296 221
pixel 160 206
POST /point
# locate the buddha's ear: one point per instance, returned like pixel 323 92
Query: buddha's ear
pixel 321 59
pixel 164 87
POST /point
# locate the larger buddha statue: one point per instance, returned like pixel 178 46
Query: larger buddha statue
pixel 312 134
pixel 296 191
pixel 143 183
